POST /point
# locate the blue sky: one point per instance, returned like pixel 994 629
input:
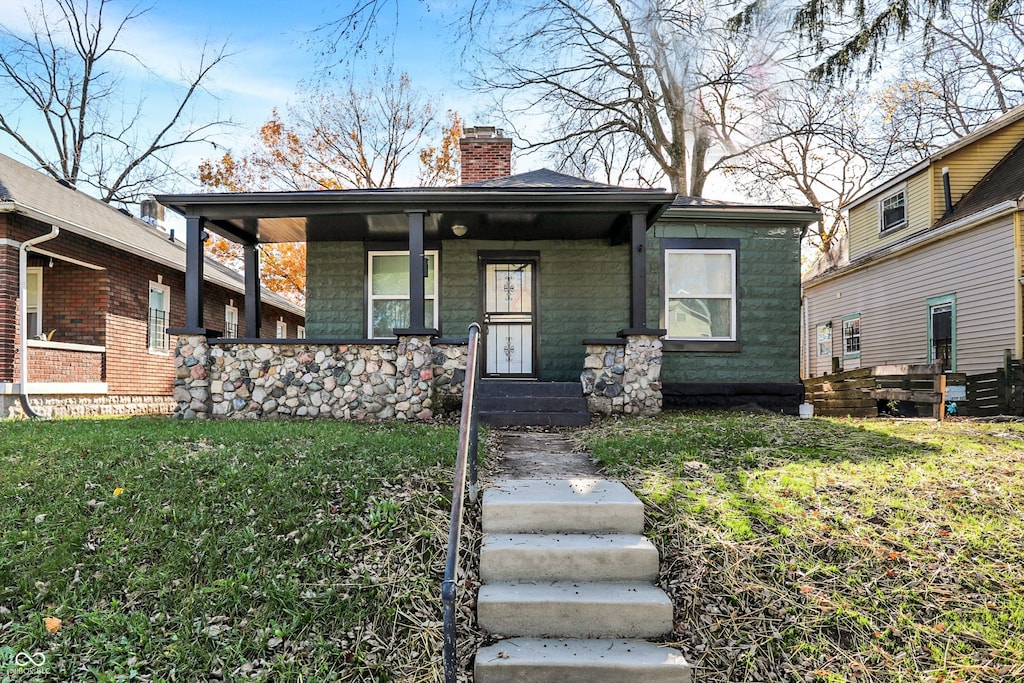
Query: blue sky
pixel 273 51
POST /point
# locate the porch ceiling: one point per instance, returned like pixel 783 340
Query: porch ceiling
pixel 355 215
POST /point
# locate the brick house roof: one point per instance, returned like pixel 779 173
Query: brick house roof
pixel 81 214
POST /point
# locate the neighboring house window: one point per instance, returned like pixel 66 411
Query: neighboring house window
pixel 942 332
pixel 700 294
pixel 230 321
pixel 300 331
pixel 388 292
pixel 825 339
pixel 159 309
pixel 282 329
pixel 851 336
pixel 893 210
pixel 33 302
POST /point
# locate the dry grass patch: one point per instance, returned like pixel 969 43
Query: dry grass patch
pixel 834 550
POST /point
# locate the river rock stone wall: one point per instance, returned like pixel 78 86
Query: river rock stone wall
pixel 339 381
pixel 623 379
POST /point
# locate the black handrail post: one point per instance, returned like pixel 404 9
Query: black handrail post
pixel 466 451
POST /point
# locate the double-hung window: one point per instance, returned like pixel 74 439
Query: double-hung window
pixel 825 340
pixel 230 321
pixel 851 336
pixel 892 210
pixel 700 291
pixel 33 302
pixel 388 292
pixel 159 314
pixel 281 329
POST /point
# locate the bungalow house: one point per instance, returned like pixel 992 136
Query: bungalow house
pixel 94 290
pixel 933 273
pixel 624 300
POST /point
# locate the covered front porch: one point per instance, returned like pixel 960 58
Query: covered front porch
pixel 553 267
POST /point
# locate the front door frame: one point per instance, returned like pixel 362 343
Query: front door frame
pixel 485 258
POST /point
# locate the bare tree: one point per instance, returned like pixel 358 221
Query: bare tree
pixel 357 137
pixel 62 79
pixel 822 154
pixel 668 73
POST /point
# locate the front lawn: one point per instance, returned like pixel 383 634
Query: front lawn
pixel 173 551
pixel 834 550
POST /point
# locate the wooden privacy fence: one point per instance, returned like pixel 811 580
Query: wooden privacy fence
pixel 996 393
pixel 859 393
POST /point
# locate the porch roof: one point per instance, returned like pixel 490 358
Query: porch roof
pixel 530 206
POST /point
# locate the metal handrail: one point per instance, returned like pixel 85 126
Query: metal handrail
pixel 466 459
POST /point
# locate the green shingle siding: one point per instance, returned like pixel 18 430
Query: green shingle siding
pixel 335 290
pixel 769 324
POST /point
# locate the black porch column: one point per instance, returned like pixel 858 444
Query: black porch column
pixel 417 274
pixel 253 314
pixel 194 273
pixel 638 278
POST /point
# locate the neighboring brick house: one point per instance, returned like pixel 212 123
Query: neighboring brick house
pixel 100 296
pixel 630 298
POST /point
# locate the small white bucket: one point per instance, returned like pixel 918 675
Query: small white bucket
pixel 806 411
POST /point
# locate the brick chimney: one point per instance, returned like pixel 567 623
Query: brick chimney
pixel 486 154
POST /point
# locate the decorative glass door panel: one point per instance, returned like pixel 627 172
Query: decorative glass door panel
pixel 508 319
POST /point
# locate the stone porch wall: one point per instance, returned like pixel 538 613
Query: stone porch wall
pixel 359 381
pixel 623 378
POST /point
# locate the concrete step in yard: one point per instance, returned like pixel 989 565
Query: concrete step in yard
pixel 573 660
pixel 567 575
pixel 574 609
pixel 550 557
pixel 580 505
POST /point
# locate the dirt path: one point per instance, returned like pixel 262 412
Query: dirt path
pixel 537 455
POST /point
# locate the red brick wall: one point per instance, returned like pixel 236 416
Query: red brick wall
pixel 108 307
pixel 8 305
pixel 60 365
pixel 484 158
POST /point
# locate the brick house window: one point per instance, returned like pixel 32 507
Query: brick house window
pixel 388 292
pixel 281 329
pixel 159 316
pixel 300 332
pixel 230 321
pixel 33 302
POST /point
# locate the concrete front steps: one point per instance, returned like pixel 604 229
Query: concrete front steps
pixel 568 579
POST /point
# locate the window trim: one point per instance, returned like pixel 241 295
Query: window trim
pixel 427 296
pixel 280 329
pixel 37 305
pixel 228 310
pixel 702 245
pixel 882 229
pixel 300 331
pixel 860 335
pixel 933 303
pixel 166 338
pixel 820 341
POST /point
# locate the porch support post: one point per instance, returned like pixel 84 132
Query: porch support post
pixel 417 275
pixel 253 305
pixel 638 278
pixel 194 234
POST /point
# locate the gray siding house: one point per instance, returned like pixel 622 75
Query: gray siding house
pixel 934 267
pixel 634 299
